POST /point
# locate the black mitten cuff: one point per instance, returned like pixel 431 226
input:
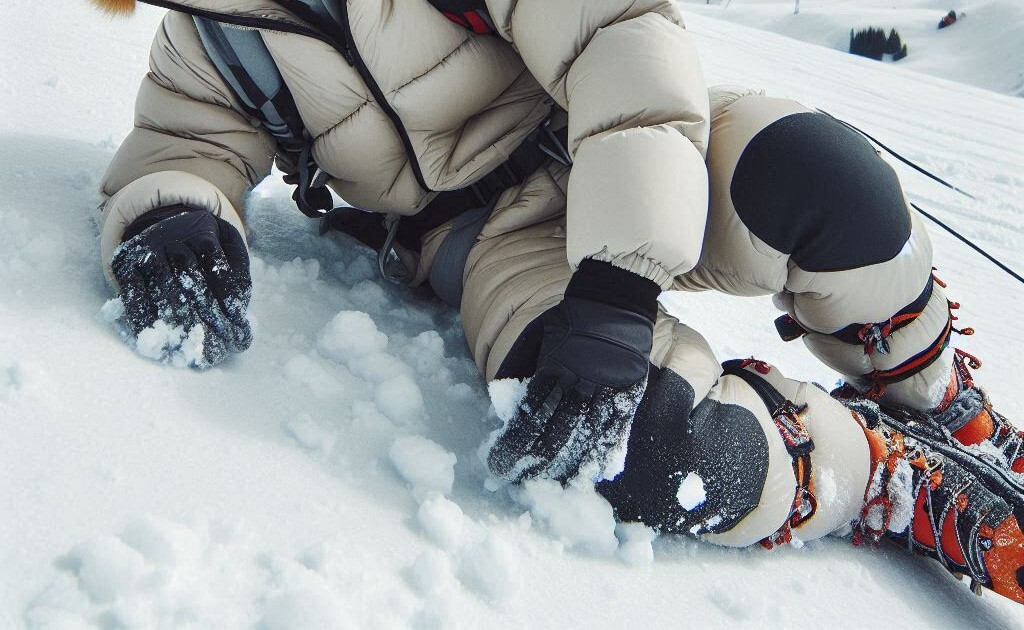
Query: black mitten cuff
pixel 151 218
pixel 603 282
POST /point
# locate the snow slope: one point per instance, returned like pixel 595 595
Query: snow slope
pixel 330 476
pixel 985 49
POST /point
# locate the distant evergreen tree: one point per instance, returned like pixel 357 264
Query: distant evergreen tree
pixel 893 43
pixel 873 43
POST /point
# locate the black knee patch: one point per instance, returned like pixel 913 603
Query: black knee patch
pixel 812 188
pixel 722 443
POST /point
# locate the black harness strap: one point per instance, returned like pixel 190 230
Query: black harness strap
pixel 860 334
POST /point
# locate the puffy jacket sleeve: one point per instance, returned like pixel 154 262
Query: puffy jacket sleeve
pixel 627 73
pixel 191 143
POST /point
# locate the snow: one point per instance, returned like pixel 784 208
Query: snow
pixel 983 48
pixel 263 491
pixel 424 464
pixel 506 394
pixel 350 335
pixel 691 492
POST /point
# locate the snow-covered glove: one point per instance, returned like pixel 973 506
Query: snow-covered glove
pixel 590 374
pixel 189 269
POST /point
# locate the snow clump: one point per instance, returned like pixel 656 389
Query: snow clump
pixel 506 394
pixel 424 464
pixel 635 543
pixel 400 399
pixel 691 492
pixel 351 334
pixel 443 521
pixel 576 515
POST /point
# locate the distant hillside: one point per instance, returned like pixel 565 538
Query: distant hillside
pixel 985 48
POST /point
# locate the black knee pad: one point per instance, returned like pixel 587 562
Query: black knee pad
pixel 721 443
pixel 814 189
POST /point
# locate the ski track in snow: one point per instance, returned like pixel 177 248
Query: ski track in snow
pixel 330 476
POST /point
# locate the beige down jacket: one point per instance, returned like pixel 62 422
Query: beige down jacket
pixel 625 71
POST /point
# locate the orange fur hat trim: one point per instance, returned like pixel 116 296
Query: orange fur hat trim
pixel 115 6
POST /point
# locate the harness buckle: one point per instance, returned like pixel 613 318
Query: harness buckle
pixel 387 257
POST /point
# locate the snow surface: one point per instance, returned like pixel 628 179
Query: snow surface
pixel 984 48
pixel 269 491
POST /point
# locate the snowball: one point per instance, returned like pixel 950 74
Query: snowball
pixel 424 464
pixel 442 521
pixel 349 335
pixel 399 399
pixel 691 492
pixel 576 515
pixel 506 394
pixel 635 543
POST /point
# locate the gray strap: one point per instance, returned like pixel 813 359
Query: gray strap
pixel 450 261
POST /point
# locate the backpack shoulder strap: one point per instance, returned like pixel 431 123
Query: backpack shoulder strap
pixel 246 65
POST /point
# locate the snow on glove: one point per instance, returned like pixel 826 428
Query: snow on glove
pixel 590 374
pixel 190 270
pixel 688 468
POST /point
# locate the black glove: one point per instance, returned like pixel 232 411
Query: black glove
pixel 591 355
pixel 187 268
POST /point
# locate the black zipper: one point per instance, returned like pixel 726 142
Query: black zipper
pixel 364 72
pixel 346 47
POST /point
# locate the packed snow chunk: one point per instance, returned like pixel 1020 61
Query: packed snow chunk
pixel 307 607
pixel 442 521
pixel 351 334
pixel 172 344
pixel 576 515
pixel 615 460
pixel 691 492
pixel 112 310
pixel 424 464
pixel 431 572
pixel 400 399
pixel 106 568
pixel 163 542
pixel 491 568
pixel 635 543
pixel 506 394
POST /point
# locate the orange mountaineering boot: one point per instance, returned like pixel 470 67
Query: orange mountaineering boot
pixel 939 497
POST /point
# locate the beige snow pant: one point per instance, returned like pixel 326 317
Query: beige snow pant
pixel 517 270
